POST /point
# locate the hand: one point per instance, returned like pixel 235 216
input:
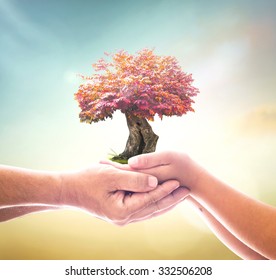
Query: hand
pixel 165 166
pixel 119 196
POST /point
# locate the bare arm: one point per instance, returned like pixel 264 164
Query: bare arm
pixel 223 234
pixel 26 191
pixel 19 186
pixel 249 220
pixel 114 195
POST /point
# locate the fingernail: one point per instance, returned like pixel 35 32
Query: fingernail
pixel 152 181
pixel 133 161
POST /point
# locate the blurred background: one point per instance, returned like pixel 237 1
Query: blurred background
pixel 228 46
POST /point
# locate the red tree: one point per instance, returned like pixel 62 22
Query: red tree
pixel 140 86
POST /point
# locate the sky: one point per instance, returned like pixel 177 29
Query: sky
pixel 228 46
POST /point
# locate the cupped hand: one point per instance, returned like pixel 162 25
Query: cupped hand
pixel 119 196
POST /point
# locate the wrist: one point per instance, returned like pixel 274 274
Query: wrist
pixel 78 187
pixel 67 193
pixel 203 183
pixel 193 173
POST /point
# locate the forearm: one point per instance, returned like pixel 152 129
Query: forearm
pixel 20 186
pixel 251 221
pixel 223 234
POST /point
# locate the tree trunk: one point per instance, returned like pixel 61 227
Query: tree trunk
pixel 141 138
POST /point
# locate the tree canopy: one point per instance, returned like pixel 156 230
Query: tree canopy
pixel 143 84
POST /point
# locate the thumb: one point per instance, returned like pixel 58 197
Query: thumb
pixel 136 182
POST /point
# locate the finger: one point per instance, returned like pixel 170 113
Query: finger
pixel 139 201
pixel 106 161
pixel 149 160
pixel 162 172
pixel 135 181
pixel 152 215
pixel 117 165
pixel 162 206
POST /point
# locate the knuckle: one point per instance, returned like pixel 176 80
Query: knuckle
pixel 163 191
pixel 156 207
pixel 137 180
pixel 152 199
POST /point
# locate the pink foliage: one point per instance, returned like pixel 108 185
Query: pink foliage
pixel 144 84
